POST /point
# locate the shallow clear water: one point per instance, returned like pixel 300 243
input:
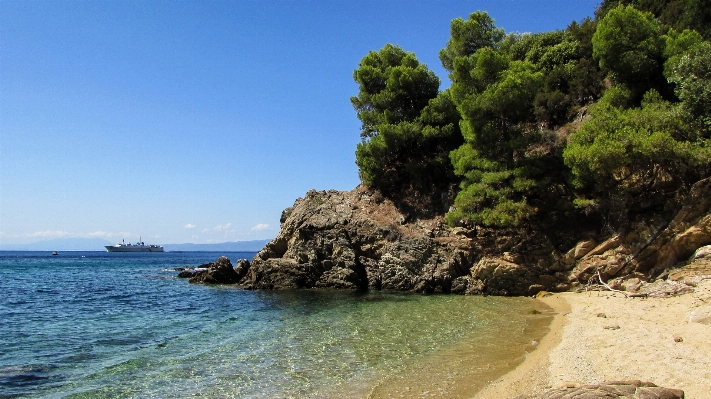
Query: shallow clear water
pixel 121 325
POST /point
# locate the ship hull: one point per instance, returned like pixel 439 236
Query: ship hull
pixel 133 248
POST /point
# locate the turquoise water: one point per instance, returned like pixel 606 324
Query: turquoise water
pixel 118 325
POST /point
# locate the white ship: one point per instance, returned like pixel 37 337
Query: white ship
pixel 140 246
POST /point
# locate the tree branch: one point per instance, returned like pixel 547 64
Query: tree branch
pixel 599 276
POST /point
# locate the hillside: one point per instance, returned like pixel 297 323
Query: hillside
pixel 554 160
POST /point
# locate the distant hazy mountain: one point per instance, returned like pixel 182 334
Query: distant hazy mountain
pixel 60 244
pixel 97 244
pixel 247 246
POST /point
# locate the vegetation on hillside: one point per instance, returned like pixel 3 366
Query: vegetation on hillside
pixel 611 116
pixel 408 128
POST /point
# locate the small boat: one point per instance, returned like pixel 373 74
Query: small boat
pixel 55 253
pixel 140 246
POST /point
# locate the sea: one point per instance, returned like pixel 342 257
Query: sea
pixel 122 325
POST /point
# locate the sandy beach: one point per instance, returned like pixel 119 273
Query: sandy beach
pixel 603 336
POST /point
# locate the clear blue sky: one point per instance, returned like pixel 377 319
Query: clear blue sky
pixel 197 121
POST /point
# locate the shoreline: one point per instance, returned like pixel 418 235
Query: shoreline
pixel 533 373
pixel 463 369
pixel 603 336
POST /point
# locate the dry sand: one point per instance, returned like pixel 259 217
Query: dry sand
pixel 602 336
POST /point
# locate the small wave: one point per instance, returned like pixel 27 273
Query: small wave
pixel 123 341
pixel 28 376
pixel 46 291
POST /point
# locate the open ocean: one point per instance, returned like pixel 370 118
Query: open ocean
pixel 121 325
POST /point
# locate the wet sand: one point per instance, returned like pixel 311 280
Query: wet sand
pixel 464 369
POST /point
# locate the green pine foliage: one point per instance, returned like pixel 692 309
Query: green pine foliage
pixel 611 115
pixel 676 14
pixel 479 31
pixel 394 87
pixel 641 152
pixel 690 71
pixel 408 128
pixel 629 45
pixel 636 152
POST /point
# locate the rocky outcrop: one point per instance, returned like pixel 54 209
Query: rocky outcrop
pixel 218 272
pixel 653 246
pixel 610 390
pixel 242 268
pixel 360 240
pixel 689 230
pixel 353 240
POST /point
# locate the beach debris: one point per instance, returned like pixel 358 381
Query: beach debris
pixel 603 315
pixel 666 288
pixel 599 277
pixel 612 327
pixel 643 295
pixel 631 284
pixel 640 289
pixel 678 339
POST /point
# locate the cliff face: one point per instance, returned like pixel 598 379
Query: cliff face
pixel 359 240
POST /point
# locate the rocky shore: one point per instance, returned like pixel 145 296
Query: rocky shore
pixel 618 336
pixel 360 240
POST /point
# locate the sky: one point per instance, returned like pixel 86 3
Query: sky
pixel 198 121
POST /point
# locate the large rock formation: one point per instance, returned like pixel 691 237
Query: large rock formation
pixel 360 240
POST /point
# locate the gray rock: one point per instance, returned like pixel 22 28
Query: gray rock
pixel 701 315
pixel 219 272
pixel 242 268
pixel 583 248
pixel 459 285
pixel 186 274
pixel 281 274
pixel 344 240
pixel 610 390
pixel 285 214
